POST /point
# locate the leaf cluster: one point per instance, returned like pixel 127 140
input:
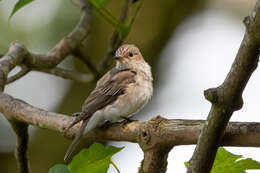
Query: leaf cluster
pixel 95 159
pixel 226 162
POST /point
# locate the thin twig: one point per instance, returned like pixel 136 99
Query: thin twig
pixel 68 74
pixel 24 70
pixel 115 40
pixel 82 55
pixel 21 130
pixel 66 46
pixel 136 13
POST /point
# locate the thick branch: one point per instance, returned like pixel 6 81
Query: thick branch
pixel 227 98
pixel 155 160
pixel 149 134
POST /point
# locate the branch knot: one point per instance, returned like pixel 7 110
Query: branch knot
pixel 246 21
pixel 211 95
pixel 218 96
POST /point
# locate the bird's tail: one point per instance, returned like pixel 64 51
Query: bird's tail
pixel 79 117
pixel 76 140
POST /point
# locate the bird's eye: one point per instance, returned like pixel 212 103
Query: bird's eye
pixel 131 54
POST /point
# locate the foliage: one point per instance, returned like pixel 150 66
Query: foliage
pixel 95 159
pixel 122 28
pixel 226 162
pixel 59 168
pixel 18 5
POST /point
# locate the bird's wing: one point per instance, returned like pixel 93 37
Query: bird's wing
pixel 112 85
pixel 109 87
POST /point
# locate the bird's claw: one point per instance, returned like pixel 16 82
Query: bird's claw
pixel 106 124
pixel 127 120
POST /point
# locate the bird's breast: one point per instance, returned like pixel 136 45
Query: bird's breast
pixel 135 97
pixel 141 93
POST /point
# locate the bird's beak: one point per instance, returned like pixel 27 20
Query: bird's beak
pixel 119 58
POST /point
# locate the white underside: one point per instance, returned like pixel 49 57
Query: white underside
pixel 135 97
pixel 127 104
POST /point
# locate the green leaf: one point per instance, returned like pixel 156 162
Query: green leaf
pixel 186 164
pixel 59 168
pixel 226 162
pixel 18 5
pixel 123 30
pixel 95 159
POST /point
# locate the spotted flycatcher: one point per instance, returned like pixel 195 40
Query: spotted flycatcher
pixel 119 94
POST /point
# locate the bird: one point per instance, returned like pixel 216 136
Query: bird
pixel 119 94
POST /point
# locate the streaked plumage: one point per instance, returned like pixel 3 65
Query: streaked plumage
pixel 121 92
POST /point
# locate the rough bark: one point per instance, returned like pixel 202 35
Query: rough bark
pixel 149 134
pixel 227 97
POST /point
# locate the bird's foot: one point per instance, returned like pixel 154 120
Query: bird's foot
pixel 127 120
pixel 106 124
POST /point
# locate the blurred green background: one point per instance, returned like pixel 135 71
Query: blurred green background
pixel 41 24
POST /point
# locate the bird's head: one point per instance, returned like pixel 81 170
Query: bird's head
pixel 128 56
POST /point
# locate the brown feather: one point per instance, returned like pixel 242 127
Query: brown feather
pixel 109 87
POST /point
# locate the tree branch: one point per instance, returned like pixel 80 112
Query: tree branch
pixel 115 40
pixel 68 74
pixel 21 130
pixel 24 70
pixel 67 45
pixel 80 53
pixel 14 57
pixel 18 55
pixel 157 136
pixel 227 98
pixel 149 134
pixel 155 160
